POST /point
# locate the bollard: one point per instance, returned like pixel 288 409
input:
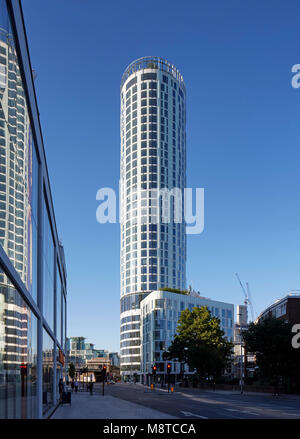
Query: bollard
pixel 152 386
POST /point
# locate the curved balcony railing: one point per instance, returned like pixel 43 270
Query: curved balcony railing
pixel 153 62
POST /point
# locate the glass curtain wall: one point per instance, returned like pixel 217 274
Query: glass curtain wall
pixel 48 351
pixel 48 268
pixel 18 164
pixel 18 354
pixel 58 306
pixel 21 191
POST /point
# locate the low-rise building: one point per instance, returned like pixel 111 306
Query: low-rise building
pixel 89 361
pixel 286 308
pixel 160 312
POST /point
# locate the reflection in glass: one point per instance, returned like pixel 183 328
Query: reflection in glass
pixel 19 183
pixel 58 305
pixel 18 354
pixel 18 164
pixel 48 268
pixel 64 319
pixel 48 349
pixel 59 375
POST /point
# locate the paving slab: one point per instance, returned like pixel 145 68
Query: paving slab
pixel 86 406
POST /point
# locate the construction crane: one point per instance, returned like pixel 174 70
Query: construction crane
pixel 253 314
pixel 247 294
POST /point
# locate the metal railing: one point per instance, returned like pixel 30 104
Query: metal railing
pixel 153 62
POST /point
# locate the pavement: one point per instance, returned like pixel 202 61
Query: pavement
pixel 86 406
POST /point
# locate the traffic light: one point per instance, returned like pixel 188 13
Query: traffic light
pixel 169 366
pixel 23 368
pixel 104 371
pixel 154 369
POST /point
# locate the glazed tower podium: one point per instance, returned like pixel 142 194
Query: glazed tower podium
pixel 153 161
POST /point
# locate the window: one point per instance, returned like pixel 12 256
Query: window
pixel 146 76
pixel 131 83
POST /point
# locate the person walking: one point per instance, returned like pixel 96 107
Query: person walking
pixel 60 389
pixel 72 385
pixel 76 385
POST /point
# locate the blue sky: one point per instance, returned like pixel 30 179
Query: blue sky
pixel 243 126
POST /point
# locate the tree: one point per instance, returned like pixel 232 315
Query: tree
pixel 200 342
pixel 270 341
pixel 71 371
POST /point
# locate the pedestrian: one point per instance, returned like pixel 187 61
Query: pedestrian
pixel 76 385
pixel 72 384
pixel 60 389
pixel 91 384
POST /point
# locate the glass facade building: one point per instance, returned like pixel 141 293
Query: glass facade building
pixel 152 181
pixel 160 312
pixel 32 265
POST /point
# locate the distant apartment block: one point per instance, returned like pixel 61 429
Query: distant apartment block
pixel 160 312
pixel 82 353
pixel 287 308
pixel 114 359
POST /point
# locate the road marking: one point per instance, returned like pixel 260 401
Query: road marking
pixel 290 414
pixel 265 406
pixel 251 413
pixel 193 414
pixel 243 411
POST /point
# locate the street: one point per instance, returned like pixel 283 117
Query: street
pixel 196 403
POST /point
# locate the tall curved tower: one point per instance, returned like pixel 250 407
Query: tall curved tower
pixel 153 162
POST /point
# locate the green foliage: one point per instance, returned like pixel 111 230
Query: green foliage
pixel 270 341
pixel 200 342
pixel 71 370
pixel 175 290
